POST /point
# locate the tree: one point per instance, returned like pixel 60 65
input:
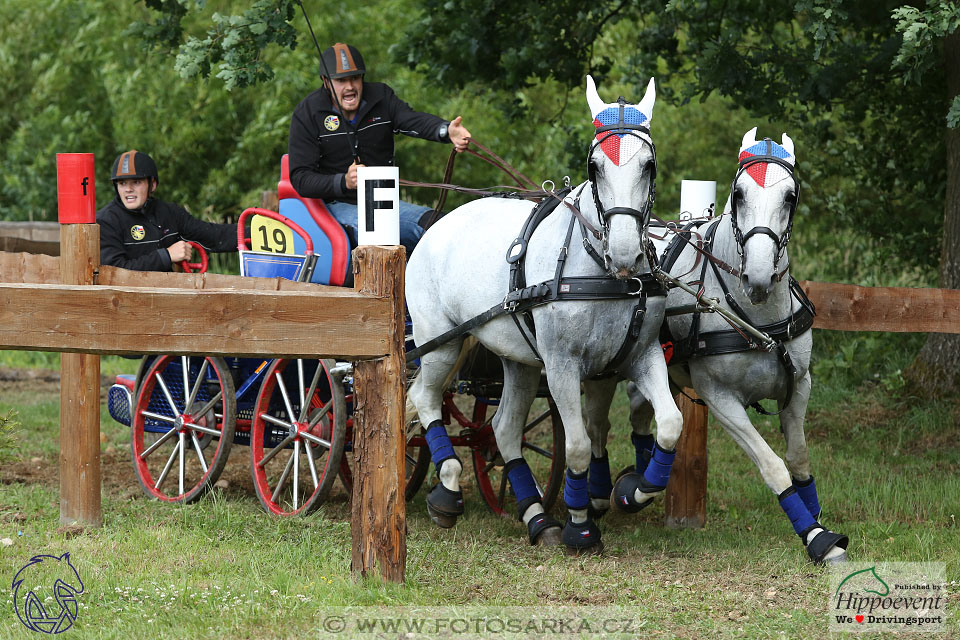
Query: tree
pixel 875 83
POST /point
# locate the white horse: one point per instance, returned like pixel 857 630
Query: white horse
pixel 723 365
pixel 458 272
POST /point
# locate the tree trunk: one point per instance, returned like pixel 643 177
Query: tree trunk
pixel 936 370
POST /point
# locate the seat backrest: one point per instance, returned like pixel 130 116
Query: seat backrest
pixel 330 242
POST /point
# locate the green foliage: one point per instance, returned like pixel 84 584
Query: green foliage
pixel 921 31
pixel 236 44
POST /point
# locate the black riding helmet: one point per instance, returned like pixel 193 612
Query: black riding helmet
pixel 341 61
pixel 133 164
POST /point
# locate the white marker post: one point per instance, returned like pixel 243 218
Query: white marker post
pixel 378 206
pixel 698 199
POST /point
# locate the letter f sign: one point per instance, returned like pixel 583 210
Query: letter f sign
pixel 84 183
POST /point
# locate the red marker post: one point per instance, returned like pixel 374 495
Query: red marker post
pixel 79 372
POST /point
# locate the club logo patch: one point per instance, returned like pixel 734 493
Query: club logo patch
pixel 332 123
pixel 137 232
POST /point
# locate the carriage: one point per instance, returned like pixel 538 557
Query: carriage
pixel 186 412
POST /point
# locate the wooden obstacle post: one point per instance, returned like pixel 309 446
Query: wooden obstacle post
pixel 378 520
pixel 686 497
pixel 79 372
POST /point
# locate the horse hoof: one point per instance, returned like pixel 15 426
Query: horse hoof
pixel 594 550
pixel 624 491
pixel 823 543
pixel 441 520
pixel 444 506
pixel 582 538
pixel 552 537
pixel 544 530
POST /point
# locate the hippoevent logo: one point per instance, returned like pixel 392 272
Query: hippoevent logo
pixel 45 593
pixel 888 596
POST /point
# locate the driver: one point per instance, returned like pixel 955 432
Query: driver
pixel 142 233
pixel 349 123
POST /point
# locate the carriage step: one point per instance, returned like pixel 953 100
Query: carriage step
pixel 119 403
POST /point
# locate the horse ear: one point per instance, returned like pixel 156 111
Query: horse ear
pixel 749 139
pixel 646 105
pixel 787 144
pixel 593 99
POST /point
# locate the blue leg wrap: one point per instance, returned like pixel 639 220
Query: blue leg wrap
pixel 521 481
pixel 657 472
pixel 793 506
pixel 439 442
pixel 600 484
pixel 644 447
pixel 808 493
pixel 575 490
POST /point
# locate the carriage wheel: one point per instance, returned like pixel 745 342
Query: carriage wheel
pixel 543 449
pixel 183 425
pixel 295 460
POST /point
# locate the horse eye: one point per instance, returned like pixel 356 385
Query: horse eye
pixel 790 198
pixel 738 196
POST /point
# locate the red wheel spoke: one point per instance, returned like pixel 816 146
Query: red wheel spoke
pixel 196 388
pixel 316 439
pixel 269 456
pixel 312 463
pixel 196 447
pixel 166 469
pixel 166 394
pixel 283 479
pixel 160 441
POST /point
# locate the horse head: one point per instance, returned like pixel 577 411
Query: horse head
pixel 622 168
pixel 763 199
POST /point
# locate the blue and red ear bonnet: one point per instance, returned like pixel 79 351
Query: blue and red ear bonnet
pixel 771 172
pixel 622 128
pixel 619 119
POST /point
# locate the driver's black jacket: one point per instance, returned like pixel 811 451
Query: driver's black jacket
pixel 319 145
pixel 139 239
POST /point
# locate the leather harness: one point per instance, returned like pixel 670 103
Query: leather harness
pixel 709 343
pixel 522 298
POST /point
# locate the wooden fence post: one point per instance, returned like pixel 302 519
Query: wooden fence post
pixel 686 499
pixel 79 372
pixel 378 519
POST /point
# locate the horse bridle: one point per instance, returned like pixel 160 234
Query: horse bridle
pixel 603 214
pixel 740 237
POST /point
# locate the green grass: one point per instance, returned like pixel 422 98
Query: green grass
pixel 887 472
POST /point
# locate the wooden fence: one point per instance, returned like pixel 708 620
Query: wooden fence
pixel 74 305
